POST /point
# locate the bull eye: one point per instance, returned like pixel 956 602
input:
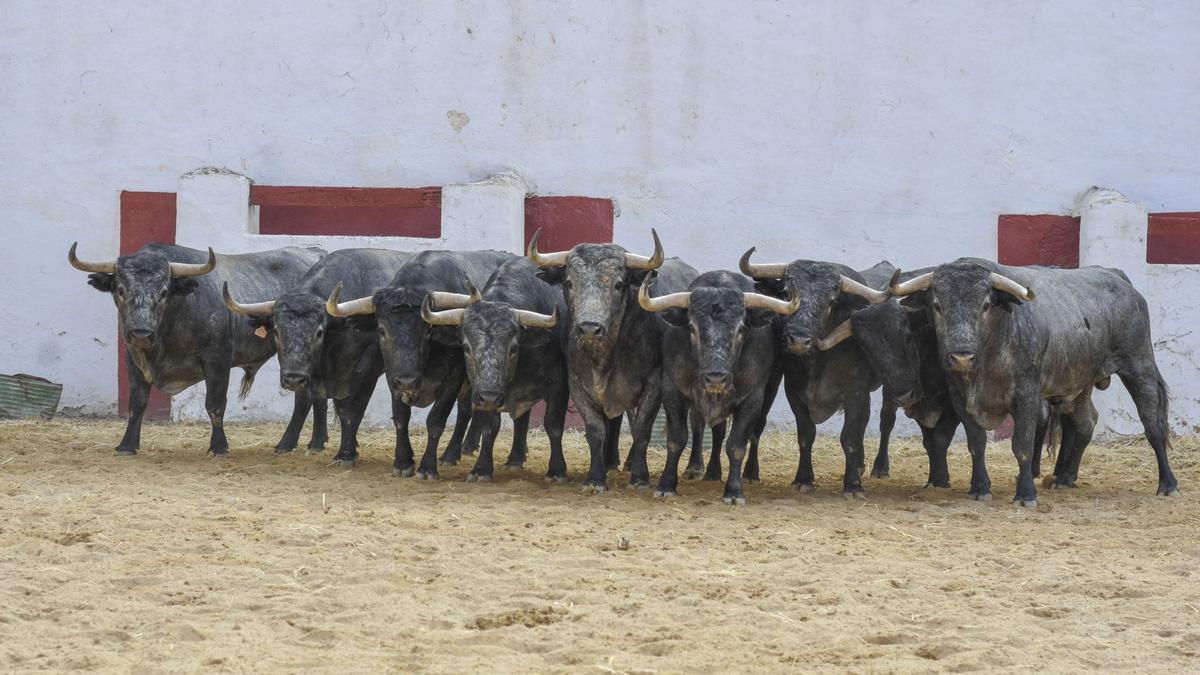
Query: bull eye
pixel 162 294
pixel 566 284
pixel 937 306
pixel 320 331
pixel 121 292
pixel 619 284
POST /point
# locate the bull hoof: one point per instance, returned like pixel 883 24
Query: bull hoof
pixel 279 450
pixel 593 489
pixel 1029 503
pixel 222 454
pixel 315 451
pixel 317 446
pixel 980 496
pixel 404 473
pixel 126 452
pixel 665 493
pixel 1168 492
pixel 734 500
pixel 557 479
pixel 447 461
pixel 344 461
pixel 693 474
pixel 479 477
pixel 712 477
pixel 639 483
pixel 426 474
pixel 804 487
pixel 851 495
pixel 514 465
pixel 880 473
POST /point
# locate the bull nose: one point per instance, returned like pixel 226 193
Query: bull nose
pixel 961 362
pixel 716 378
pixel 489 400
pixel 800 343
pixel 406 381
pixel 591 329
pixel 907 399
pixel 139 335
pixel 293 381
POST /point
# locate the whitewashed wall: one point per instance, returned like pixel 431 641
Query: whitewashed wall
pixel 849 131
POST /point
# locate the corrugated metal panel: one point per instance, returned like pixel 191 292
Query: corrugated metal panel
pixel 28 396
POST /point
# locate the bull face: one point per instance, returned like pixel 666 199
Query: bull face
pixel 717 322
pixel 404 339
pixel 492 338
pixel 300 326
pixel 887 337
pixel 142 286
pixel 596 287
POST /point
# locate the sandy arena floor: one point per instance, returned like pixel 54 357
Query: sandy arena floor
pixel 174 561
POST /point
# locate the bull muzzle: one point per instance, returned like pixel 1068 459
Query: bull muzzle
pixel 488 401
pixel 141 337
pixel 716 381
pixel 799 344
pixel 294 380
pixel 961 362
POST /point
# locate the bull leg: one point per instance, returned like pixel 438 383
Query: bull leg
pixel 713 472
pixel 744 419
pixel 1039 440
pixel 642 426
pixel 489 423
pixel 750 473
pixel 937 441
pixel 676 409
pixel 1066 450
pixel 854 428
pixel 320 427
pixel 612 439
pixel 629 457
pixel 695 466
pixel 1149 394
pixel 435 424
pixel 880 468
pixel 520 445
pixel 1085 416
pixel 597 428
pixel 981 484
pixel 216 389
pixel 291 435
pixel 555 420
pixel 139 397
pixel 350 416
pixel 403 464
pixel 806 434
pixel 454 449
pixel 1025 422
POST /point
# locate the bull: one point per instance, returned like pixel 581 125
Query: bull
pixel 513 345
pixel 719 356
pixel 177 332
pixel 1005 352
pixel 424 364
pixel 614 349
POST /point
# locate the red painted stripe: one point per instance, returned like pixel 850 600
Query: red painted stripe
pixel 1038 240
pixel 1173 238
pixel 349 211
pixel 145 217
pixel 566 221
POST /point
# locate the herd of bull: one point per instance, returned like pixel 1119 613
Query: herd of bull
pixel 623 335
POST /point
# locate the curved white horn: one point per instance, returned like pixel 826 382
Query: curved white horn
pixel 836 336
pixel 442 300
pixel 641 262
pixel 530 319
pixel 350 308
pixel 194 270
pixel 251 309
pixel 1007 285
pixel 449 317
pixel 767 271
pixel 760 301
pixel 665 302
pixel 558 259
pixel 873 296
pixel 913 285
pixel 107 267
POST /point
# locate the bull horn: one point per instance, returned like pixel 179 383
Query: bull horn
pixel 449 317
pixel 913 285
pixel 180 270
pixel 767 271
pixel 351 308
pixel 530 319
pixel 873 296
pixel 107 267
pixel 760 301
pixel 558 259
pixel 661 303
pixel 251 309
pixel 443 300
pixel 1003 283
pixel 641 262
pixel 836 336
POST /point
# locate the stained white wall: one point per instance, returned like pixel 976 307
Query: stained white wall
pixel 848 131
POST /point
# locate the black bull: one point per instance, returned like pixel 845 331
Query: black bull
pixel 1010 338
pixel 178 332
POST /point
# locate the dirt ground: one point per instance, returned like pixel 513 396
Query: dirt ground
pixel 172 560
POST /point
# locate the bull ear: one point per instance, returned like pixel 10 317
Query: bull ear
pixel 183 285
pixel 267 321
pixel 916 301
pixel 552 275
pixel 634 278
pixel 675 316
pixel 772 287
pixel 363 323
pixel 757 318
pixel 450 336
pixel 1004 300
pixel 105 283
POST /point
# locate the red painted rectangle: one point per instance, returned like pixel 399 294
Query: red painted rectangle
pixel 566 221
pixel 1041 239
pixel 1173 238
pixel 145 217
pixel 348 211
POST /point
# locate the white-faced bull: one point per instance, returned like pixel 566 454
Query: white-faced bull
pixel 424 363
pixel 719 355
pixel 819 383
pixel 1006 352
pixel 177 332
pixel 614 350
pixel 513 343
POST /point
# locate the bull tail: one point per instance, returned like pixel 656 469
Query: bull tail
pixel 247 382
pixel 1164 409
pixel 1053 436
